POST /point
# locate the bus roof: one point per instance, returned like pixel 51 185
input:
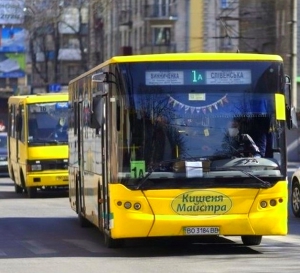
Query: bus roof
pixel 176 57
pixel 42 97
pixel 194 57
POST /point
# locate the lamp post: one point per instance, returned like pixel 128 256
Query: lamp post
pixel 29 15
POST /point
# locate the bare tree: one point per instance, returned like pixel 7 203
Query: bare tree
pixel 50 30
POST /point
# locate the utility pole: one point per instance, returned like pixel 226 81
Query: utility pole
pixel 294 53
pixel 92 38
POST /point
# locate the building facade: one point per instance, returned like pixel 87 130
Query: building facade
pixel 78 35
pixel 162 26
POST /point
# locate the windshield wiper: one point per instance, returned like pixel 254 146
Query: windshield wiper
pixel 143 180
pixel 151 170
pixel 264 184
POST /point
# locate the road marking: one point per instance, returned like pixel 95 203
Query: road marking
pixel 87 245
pixel 37 248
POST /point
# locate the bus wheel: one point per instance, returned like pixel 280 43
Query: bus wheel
pixel 295 198
pixel 112 243
pixel 18 189
pixel 251 240
pixel 31 192
pixel 83 222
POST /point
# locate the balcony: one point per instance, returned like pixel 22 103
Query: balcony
pixel 124 18
pixel 161 12
pixel 157 49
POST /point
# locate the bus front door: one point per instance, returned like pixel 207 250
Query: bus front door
pixel 79 176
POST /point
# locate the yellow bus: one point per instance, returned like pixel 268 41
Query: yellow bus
pixel 151 154
pixel 38 142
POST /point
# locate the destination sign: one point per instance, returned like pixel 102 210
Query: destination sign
pixel 228 77
pixel 164 78
pixel 198 77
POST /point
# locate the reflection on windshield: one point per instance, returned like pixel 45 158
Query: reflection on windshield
pixel 173 131
pixel 3 141
pixel 47 123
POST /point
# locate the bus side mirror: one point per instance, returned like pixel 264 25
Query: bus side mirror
pixel 18 123
pixel 100 77
pixel 97 113
pixel 291 117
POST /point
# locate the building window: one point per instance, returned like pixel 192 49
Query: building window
pixel 162 8
pixel 13 83
pixel 226 4
pixel 162 35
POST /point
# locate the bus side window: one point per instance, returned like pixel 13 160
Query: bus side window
pixel 18 123
pixel 33 127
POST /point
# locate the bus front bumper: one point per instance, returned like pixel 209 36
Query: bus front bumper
pixel 54 179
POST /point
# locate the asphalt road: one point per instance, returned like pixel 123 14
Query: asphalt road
pixel 43 235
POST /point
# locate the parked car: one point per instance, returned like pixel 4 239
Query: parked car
pixel 295 193
pixel 3 152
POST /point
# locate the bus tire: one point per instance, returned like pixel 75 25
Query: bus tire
pixel 112 243
pixel 251 240
pixel 18 189
pixel 31 192
pixel 11 175
pixel 295 198
pixel 22 181
pixel 83 222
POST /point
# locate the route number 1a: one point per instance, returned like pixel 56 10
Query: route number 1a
pixel 137 169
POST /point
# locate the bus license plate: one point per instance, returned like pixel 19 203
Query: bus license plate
pixel 201 231
pixel 63 178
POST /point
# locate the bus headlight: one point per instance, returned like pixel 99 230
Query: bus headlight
pixel 263 204
pixel 137 206
pixel 127 205
pixel 35 167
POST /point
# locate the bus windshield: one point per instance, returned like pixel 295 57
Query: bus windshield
pixel 204 120
pixel 47 123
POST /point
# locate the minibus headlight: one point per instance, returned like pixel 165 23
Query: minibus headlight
pixel 36 167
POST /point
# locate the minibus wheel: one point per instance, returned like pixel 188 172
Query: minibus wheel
pixel 251 240
pixel 18 189
pixel 31 192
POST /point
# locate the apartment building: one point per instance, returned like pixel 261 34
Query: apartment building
pixel 161 26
